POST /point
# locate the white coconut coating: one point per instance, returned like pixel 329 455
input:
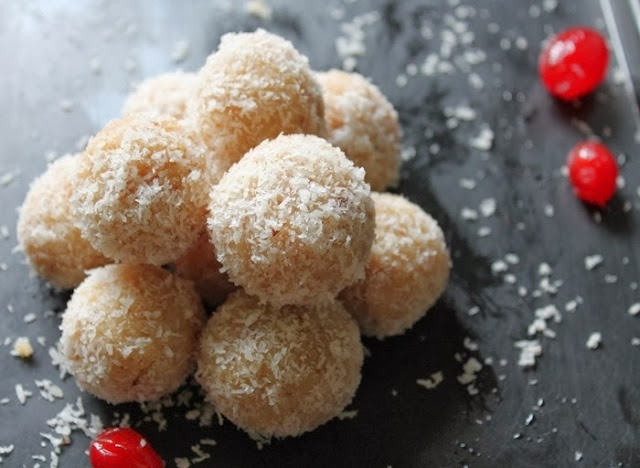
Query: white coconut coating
pixel 407 272
pixel 140 191
pixel 201 266
pixel 130 332
pixel 363 123
pixel 254 87
pixel 279 372
pixel 292 221
pixel 46 231
pixel 167 94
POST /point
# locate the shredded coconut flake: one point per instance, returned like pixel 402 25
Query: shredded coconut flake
pixel 432 382
pixel 592 261
pixel 22 348
pixel 594 341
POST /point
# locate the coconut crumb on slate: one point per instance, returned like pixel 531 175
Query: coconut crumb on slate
pixel 7 178
pixel 594 340
pixel 259 9
pixel 347 415
pixel 484 140
pixel 180 50
pixel 634 309
pixel 432 382
pixel 48 390
pixel 22 394
pixel 529 351
pixel 351 44
pixel 22 348
pixel 592 261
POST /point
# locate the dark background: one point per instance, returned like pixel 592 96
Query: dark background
pixel 590 399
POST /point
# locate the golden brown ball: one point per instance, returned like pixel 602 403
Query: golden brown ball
pixel 254 87
pixel 293 221
pixel 407 272
pixel 47 234
pixel 363 123
pixel 167 94
pixel 279 372
pixel 130 332
pixel 140 191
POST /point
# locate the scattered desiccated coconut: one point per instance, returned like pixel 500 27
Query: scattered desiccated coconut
pixel 594 340
pixel 7 178
pixel 592 261
pixel 468 214
pixel 342 416
pixel 634 309
pixel 48 390
pixel 180 51
pixel 22 394
pixel 577 456
pixel 30 317
pixel 529 351
pixel 467 184
pixel 469 374
pixel 351 44
pixel 484 140
pixel 22 348
pixel 259 9
pixel 432 381
pixel 5 450
pixel 488 207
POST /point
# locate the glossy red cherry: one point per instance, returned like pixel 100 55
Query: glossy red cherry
pixel 121 447
pixel 574 62
pixel 593 172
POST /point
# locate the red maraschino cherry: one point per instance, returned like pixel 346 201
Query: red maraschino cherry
pixel 121 447
pixel 574 62
pixel 593 172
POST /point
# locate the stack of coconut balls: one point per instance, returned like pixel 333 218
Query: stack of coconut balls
pixel 246 187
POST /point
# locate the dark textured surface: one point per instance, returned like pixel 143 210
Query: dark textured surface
pixel 591 398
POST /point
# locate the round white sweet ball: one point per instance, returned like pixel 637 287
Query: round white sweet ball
pixel 293 221
pixel 279 372
pixel 130 332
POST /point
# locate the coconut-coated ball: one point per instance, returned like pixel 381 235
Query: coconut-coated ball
pixel 363 123
pixel 130 332
pixel 46 231
pixel 292 221
pixel 254 87
pixel 279 372
pixel 140 191
pixel 166 94
pixel 407 272
pixel 201 266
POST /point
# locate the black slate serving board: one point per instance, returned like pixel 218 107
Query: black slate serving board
pixel 66 69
